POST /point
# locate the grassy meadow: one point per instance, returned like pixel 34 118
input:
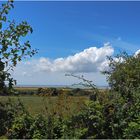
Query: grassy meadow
pixel 62 104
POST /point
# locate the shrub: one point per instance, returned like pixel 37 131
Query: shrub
pixel 8 111
pixel 88 123
pixel 133 130
pixel 38 127
pixel 20 128
pixel 124 74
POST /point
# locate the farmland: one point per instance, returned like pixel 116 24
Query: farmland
pixel 62 105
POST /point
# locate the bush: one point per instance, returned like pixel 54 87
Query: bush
pixel 49 91
pixel 8 111
pixel 133 130
pixel 113 118
pixel 88 123
pixel 38 127
pixel 79 92
pixel 124 74
pixel 21 127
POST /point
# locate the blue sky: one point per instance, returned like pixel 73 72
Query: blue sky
pixel 63 29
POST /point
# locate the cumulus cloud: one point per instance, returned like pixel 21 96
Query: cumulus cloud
pixel 91 59
pixel 137 52
pixel 45 71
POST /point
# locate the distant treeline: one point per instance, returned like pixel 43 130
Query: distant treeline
pixel 53 91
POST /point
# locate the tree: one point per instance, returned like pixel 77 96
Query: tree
pixel 11 48
pixel 123 74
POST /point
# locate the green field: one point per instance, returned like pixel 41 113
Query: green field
pixel 62 105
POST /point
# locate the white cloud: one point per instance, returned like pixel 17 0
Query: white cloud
pixel 44 71
pixel 137 52
pixel 92 59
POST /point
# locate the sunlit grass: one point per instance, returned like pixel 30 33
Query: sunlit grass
pixel 61 105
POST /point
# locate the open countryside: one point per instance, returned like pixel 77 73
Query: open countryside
pixel 69 70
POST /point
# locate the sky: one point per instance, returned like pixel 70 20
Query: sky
pixel 75 37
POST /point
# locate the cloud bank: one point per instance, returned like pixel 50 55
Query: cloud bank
pixel 45 71
pixel 92 59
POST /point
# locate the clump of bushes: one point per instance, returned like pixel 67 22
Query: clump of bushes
pixel 8 111
pixel 114 119
pixel 37 127
pixel 49 91
pixel 79 92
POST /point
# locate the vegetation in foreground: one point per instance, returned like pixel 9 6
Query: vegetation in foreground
pixel 114 115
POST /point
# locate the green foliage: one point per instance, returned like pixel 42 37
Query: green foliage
pixel 49 91
pixel 8 111
pixel 133 130
pixel 55 127
pixel 38 127
pixel 79 92
pixel 124 74
pixel 113 118
pixel 88 123
pixel 11 48
pixel 21 127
